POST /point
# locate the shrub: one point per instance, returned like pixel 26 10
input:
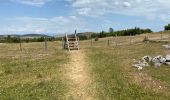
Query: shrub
pixel 96 39
pixel 167 27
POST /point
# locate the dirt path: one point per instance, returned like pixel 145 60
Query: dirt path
pixel 77 72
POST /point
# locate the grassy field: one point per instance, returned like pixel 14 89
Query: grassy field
pixel 32 73
pixel 114 78
pixel 125 40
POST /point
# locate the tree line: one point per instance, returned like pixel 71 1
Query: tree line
pixel 102 34
pixel 10 39
pixel 167 27
pixel 127 32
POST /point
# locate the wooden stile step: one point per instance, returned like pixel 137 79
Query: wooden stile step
pixel 71 42
pixel 72 39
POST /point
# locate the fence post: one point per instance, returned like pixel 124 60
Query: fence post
pixel 161 35
pixel 20 47
pixel 63 43
pixel 91 42
pixel 78 39
pixel 116 40
pixel 20 44
pixel 130 39
pixel 108 43
pixel 45 44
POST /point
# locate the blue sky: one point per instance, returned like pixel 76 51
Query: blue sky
pixel 64 16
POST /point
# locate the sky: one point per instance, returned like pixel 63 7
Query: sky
pixel 64 16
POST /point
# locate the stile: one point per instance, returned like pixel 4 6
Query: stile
pixel 71 42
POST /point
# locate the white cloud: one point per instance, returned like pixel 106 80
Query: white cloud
pixel 84 11
pixel 33 2
pixel 148 8
pixel 60 24
pixel 126 4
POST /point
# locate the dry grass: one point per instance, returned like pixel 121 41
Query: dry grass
pixel 99 72
pixel 32 73
pixel 125 40
pixel 116 79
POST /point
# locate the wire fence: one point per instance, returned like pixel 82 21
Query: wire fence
pixel 102 42
pixel 126 40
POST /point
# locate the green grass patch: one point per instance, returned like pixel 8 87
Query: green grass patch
pixel 32 74
pixel 111 67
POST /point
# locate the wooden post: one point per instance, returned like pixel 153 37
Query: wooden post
pixel 63 43
pixel 116 39
pixel 78 43
pixel 20 45
pixel 68 47
pixel 45 44
pixel 161 35
pixel 108 43
pixel 130 39
pixel 75 31
pixel 148 36
pixel 91 42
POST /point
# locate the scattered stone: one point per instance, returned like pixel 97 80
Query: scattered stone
pixel 140 64
pixel 158 61
pixel 166 46
pixel 167 59
pixel 140 68
pixel 146 60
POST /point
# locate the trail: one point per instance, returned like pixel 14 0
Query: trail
pixel 77 72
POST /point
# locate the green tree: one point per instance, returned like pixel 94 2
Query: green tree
pixel 9 39
pixel 167 27
pixel 83 37
pixel 94 35
pixel 102 34
pixel 111 30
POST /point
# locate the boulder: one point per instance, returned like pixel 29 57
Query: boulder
pixel 167 60
pixel 147 59
pixel 166 46
pixel 157 61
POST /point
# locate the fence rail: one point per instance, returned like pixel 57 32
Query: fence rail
pixel 102 42
pixel 125 40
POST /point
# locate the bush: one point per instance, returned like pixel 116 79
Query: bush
pixel 96 39
pixel 10 39
pixel 82 37
pixel 94 35
pixel 42 39
pixel 167 27
pixel 127 32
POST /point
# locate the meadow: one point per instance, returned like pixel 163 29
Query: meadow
pixel 114 76
pixel 34 73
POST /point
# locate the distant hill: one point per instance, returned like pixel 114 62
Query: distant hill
pixel 34 36
pixel 26 36
pixel 3 36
